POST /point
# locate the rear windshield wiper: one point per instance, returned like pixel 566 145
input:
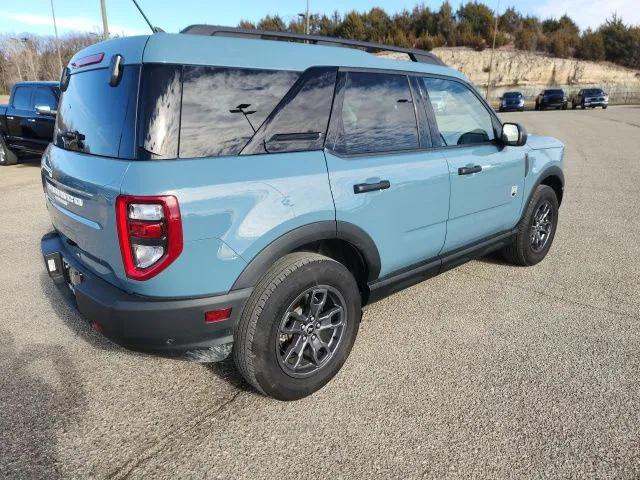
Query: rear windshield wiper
pixel 73 138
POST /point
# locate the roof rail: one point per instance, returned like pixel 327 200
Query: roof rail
pixel 414 54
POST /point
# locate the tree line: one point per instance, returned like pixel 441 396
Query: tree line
pixel 33 57
pixel 472 25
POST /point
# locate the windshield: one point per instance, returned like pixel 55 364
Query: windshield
pixel 97 118
pixel 553 92
pixel 512 95
pixel 593 91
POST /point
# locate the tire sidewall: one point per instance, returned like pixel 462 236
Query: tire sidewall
pixel 268 372
pixel 544 193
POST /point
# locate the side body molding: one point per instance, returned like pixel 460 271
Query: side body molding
pixel 313 232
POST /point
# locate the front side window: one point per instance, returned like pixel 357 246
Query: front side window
pixel 22 98
pixel 377 114
pixel 461 117
pixel 223 108
pixel 45 96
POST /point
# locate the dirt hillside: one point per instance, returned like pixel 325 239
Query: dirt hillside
pixel 530 72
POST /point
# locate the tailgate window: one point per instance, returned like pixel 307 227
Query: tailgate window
pixel 97 118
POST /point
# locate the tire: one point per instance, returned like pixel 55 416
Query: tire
pixel 7 157
pixel 604 107
pixel 536 107
pixel 573 106
pixel 564 106
pixel 582 106
pixel 522 251
pixel 281 300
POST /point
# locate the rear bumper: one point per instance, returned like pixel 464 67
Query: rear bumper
pixel 174 327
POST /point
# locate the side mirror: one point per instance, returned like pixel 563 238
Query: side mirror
pixel 513 134
pixel 45 110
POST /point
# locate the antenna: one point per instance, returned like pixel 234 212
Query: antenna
pixel 153 29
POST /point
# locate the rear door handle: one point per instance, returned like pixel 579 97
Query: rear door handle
pixel 371 187
pixel 31 119
pixel 469 170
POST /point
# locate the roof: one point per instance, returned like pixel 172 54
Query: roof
pixel 236 52
pixel 267 54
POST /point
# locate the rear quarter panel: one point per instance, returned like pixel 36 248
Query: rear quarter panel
pixel 232 208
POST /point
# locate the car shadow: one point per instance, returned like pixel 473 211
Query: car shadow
pixel 64 308
pixel 227 371
pixel 494 258
pixel 41 394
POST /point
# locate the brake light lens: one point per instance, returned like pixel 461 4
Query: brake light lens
pixel 150 234
pixel 88 60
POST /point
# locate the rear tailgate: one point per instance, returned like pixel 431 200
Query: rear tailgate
pixel 80 192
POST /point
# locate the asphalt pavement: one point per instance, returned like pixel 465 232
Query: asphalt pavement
pixel 487 371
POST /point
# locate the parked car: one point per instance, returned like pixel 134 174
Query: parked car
pixel 216 195
pixel 511 101
pixel 551 98
pixel 26 123
pixel 590 97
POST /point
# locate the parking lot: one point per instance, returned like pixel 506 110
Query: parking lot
pixel 488 370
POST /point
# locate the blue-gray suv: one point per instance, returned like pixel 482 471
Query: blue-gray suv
pixel 220 193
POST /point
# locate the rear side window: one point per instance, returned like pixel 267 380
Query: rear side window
pixel 159 123
pixel 461 117
pixel 22 98
pixel 45 96
pixel 223 108
pixel 299 123
pixel 95 117
pixel 377 114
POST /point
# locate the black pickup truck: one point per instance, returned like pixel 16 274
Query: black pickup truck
pixel 26 124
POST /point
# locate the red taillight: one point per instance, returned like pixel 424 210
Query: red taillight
pixel 88 60
pixel 217 315
pixel 150 234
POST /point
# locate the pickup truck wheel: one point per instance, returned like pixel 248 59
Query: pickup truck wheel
pixel 536 229
pixel 298 326
pixel 7 157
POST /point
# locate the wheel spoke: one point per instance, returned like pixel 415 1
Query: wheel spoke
pixel 317 299
pixel 294 324
pixel 296 347
pixel 320 351
pixel 328 320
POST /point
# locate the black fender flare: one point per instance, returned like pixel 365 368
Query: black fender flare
pixel 551 171
pixel 313 232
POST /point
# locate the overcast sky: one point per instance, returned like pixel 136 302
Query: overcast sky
pixel 34 16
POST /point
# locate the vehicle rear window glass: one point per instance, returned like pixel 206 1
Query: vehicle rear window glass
pixel 94 117
pixel 299 123
pixel 377 114
pixel 22 98
pixel 222 108
pixel 45 96
pixel 460 115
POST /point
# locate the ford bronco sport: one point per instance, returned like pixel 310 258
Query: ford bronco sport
pixel 214 195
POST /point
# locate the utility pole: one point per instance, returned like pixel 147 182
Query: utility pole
pixel 55 29
pixel 306 19
pixel 493 48
pixel 105 25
